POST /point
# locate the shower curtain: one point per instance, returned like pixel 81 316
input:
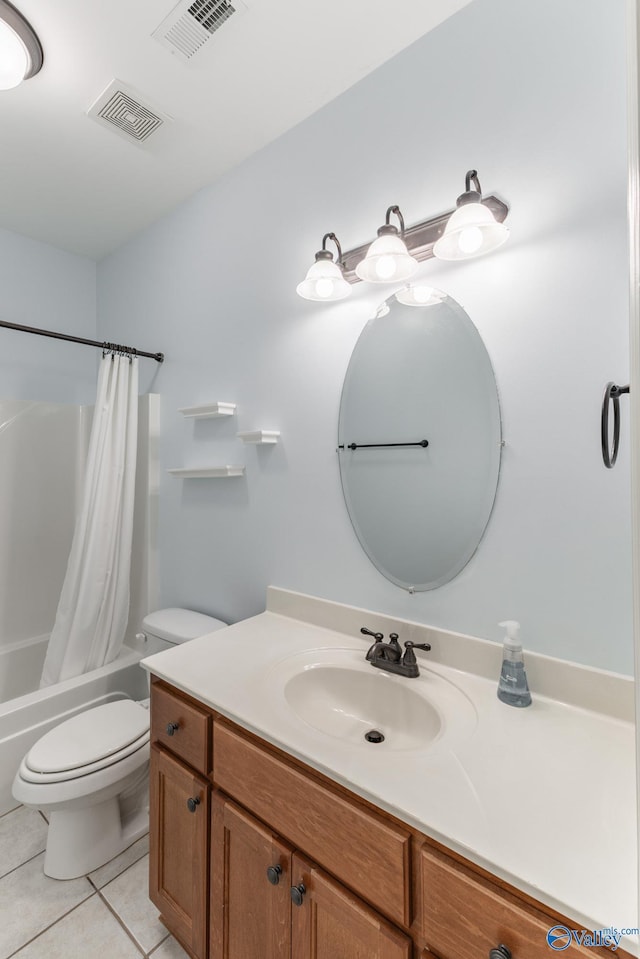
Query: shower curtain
pixel 94 605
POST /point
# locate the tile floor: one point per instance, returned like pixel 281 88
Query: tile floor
pixel 105 915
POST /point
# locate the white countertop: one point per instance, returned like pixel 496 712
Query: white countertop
pixel 543 797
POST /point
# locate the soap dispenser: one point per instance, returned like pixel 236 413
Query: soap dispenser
pixel 513 687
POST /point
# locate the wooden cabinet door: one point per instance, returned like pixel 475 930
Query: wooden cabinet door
pixel 250 886
pixel 179 840
pixel 332 923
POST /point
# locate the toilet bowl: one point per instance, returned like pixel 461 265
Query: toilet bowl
pixel 89 775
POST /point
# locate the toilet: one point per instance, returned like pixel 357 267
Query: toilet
pixel 89 775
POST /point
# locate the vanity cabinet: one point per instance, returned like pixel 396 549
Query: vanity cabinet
pixel 368 853
pixel 269 902
pixel 290 865
pixel 179 816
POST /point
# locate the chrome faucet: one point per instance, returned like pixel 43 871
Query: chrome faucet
pixel 389 656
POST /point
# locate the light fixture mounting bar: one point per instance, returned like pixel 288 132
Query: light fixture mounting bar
pixel 420 238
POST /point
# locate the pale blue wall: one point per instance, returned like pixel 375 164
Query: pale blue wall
pixel 49 288
pixel 533 96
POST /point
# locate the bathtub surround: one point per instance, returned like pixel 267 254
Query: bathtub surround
pixel 94 605
pixel 43 447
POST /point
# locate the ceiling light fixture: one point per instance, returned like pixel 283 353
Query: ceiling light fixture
pixel 472 230
pixel 325 279
pixel 21 54
pixel 387 259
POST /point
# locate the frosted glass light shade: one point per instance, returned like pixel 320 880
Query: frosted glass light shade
pixel 387 261
pixel 471 231
pixel 14 58
pixel 419 294
pixel 324 281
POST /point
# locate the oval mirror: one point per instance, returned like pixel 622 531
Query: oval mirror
pixel 419 373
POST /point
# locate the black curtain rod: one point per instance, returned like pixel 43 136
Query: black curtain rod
pixel 158 357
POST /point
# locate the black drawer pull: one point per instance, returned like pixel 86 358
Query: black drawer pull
pixel 297 894
pixel 172 728
pixel 192 804
pixel 273 874
pixel 500 952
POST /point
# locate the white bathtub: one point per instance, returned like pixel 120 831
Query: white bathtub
pixel 24 719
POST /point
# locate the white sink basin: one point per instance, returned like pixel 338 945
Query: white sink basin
pixel 340 694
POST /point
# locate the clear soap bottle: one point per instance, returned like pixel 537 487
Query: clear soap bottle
pixel 513 687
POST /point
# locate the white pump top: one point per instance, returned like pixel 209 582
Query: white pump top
pixel 512 639
pixel 179 625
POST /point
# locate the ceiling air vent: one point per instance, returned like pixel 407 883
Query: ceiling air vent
pixel 121 109
pixel 192 23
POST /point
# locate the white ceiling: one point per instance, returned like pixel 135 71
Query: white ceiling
pixel 67 180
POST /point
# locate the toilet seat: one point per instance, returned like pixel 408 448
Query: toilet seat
pixel 86 743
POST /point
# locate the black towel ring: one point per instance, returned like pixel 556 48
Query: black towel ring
pixel 612 394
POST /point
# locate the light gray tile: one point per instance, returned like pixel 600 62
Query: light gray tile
pixel 100 877
pixel 31 902
pixel 128 896
pixel 23 834
pixel 170 949
pixel 90 930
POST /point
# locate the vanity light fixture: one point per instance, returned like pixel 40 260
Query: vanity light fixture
pixel 325 279
pixel 387 259
pixel 21 53
pixel 472 230
pixel 396 254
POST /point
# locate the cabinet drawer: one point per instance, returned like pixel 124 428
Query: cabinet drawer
pixel 365 851
pixel 464 916
pixel 181 726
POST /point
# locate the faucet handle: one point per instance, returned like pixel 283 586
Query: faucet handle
pixel 409 658
pixel 378 637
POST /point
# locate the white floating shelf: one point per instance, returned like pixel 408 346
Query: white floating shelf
pixel 260 436
pixel 212 409
pixel 206 472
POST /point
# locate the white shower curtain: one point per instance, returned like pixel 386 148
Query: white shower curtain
pixel 94 605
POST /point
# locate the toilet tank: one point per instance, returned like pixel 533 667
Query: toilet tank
pixel 169 627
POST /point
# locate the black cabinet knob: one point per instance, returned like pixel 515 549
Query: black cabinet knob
pixel 171 728
pixel 500 952
pixel 193 803
pixel 297 894
pixel 273 874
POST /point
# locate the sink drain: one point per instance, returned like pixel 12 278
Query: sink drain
pixel 374 736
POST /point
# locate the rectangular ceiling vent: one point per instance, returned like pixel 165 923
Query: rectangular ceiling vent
pixel 192 23
pixel 121 110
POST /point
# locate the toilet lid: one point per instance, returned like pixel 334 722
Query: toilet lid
pixel 91 738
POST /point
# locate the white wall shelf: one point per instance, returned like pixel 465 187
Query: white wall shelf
pixel 260 437
pixel 209 411
pixel 207 472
